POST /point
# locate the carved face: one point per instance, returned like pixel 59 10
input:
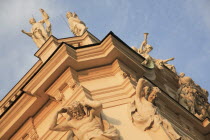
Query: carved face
pixel 76 111
pixel 148 48
pixel 152 97
pixel 153 94
pixel 32 20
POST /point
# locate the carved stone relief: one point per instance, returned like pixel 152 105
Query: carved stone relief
pixel 193 97
pixel 144 114
pixel 84 121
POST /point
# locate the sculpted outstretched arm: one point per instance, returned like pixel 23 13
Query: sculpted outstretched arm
pixel 27 33
pixel 59 127
pixel 170 59
pixel 45 16
pixel 95 105
pixel 141 49
pixel 140 95
pixel 140 87
pixel 42 21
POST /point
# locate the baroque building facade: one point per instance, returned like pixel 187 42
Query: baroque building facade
pixel 82 88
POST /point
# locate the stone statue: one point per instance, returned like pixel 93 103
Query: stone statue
pixel 38 32
pixel 193 97
pixel 46 17
pixel 149 61
pixel 77 26
pixel 85 122
pixel 187 92
pixel 159 63
pixel 144 113
pixel 144 50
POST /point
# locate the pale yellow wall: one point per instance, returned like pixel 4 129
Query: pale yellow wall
pixel 118 116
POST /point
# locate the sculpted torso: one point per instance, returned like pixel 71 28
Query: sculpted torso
pixel 84 128
pixel 77 26
pixel 38 29
pixel 83 125
pixel 146 107
pixel 38 32
pixel 84 121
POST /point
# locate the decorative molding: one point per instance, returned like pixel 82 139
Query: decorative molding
pixel 15 93
pixel 68 79
pixel 80 40
pixel 27 130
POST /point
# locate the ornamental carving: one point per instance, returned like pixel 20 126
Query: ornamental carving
pixel 193 97
pixel 144 113
pixel 85 122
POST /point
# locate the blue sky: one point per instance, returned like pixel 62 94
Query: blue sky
pixel 178 28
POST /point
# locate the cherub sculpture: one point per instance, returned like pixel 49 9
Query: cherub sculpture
pixel 38 32
pixel 144 113
pixel 85 122
pixel 77 26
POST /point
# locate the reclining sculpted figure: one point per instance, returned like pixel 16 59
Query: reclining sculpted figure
pixel 149 61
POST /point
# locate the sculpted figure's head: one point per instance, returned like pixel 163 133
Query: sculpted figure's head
pixel 148 48
pixel 147 90
pixel 69 14
pixel 41 10
pixel 32 21
pixel 152 94
pixel 76 111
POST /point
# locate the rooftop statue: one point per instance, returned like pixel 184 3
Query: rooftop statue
pixel 38 32
pixel 159 63
pixel 144 50
pixel 151 62
pixel 144 113
pixel 46 17
pixel 77 26
pixel 193 97
pixel 85 122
